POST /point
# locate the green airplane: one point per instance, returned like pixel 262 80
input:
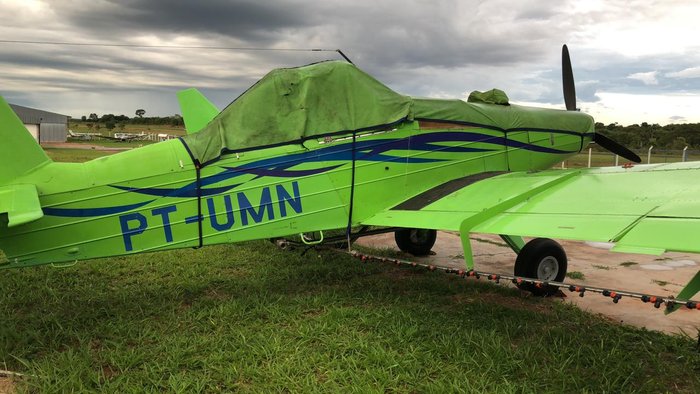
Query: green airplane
pixel 325 147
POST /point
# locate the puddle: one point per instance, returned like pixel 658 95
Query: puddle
pixel 680 263
pixel 655 267
pixel 601 245
pixel 668 265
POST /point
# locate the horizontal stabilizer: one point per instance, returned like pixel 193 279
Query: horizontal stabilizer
pixel 197 111
pixel 20 203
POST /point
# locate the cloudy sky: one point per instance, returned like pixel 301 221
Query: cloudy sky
pixel 634 61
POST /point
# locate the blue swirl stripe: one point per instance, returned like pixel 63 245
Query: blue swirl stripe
pixel 371 151
pixel 88 212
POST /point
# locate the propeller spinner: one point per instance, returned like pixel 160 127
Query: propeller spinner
pixel 570 101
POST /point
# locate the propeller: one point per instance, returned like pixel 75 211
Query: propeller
pixel 570 101
pixel 615 147
pixel 567 76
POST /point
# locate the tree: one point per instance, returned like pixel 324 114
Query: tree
pixel 93 117
pixel 176 120
pixel 140 112
pixel 109 125
pixel 83 118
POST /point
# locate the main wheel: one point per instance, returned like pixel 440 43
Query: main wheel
pixel 543 259
pixel 415 241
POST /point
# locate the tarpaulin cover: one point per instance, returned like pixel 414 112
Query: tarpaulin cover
pixel 493 96
pixel 292 104
pixel 504 117
pixel 296 103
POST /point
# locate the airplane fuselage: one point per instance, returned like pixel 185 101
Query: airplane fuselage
pixel 155 198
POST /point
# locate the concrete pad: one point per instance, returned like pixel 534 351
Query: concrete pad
pixel 663 275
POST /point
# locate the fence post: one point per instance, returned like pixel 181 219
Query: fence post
pixel 617 160
pixel 589 157
pixel 649 154
pixel 685 153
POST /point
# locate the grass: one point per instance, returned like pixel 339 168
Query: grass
pixel 75 155
pixel 112 143
pixel 601 267
pixel 628 263
pixel 252 318
pixel 576 275
pixel 661 283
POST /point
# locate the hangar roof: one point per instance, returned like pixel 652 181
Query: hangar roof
pixel 37 116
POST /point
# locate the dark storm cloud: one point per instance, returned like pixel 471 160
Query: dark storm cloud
pixel 394 41
pixel 438 48
pixel 446 33
pixel 82 63
pixel 249 20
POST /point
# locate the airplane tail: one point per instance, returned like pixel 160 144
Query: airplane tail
pixel 19 152
pixel 197 111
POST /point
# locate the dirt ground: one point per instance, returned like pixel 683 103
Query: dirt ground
pixel 656 275
pixel 7 385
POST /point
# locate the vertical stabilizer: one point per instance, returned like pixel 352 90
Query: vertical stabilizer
pixel 197 111
pixel 19 152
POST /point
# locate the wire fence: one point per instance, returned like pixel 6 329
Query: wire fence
pixel 598 158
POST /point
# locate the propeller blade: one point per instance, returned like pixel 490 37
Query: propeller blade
pixel 616 148
pixel 567 76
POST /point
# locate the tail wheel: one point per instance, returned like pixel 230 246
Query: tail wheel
pixel 543 259
pixel 415 241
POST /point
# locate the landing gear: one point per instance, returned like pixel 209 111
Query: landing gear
pixel 415 241
pixel 542 259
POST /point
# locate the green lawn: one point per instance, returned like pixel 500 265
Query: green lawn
pixel 75 155
pixel 112 143
pixel 250 317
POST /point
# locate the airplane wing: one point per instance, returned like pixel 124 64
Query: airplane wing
pixel 643 209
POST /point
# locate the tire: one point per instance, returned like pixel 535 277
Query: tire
pixel 543 259
pixel 415 241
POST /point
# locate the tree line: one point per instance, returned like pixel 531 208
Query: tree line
pixel 644 135
pixel 110 121
pixel 635 136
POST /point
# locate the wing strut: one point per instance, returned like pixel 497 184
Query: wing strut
pixel 469 223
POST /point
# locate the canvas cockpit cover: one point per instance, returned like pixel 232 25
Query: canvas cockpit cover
pixel 292 104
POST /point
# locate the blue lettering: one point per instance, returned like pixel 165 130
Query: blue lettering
pixel 229 214
pixel 283 196
pixel 128 232
pixel 246 208
pixel 164 212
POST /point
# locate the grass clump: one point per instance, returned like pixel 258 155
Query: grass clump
pixel 576 275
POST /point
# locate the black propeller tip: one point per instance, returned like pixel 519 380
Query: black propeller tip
pixel 567 76
pixel 616 148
